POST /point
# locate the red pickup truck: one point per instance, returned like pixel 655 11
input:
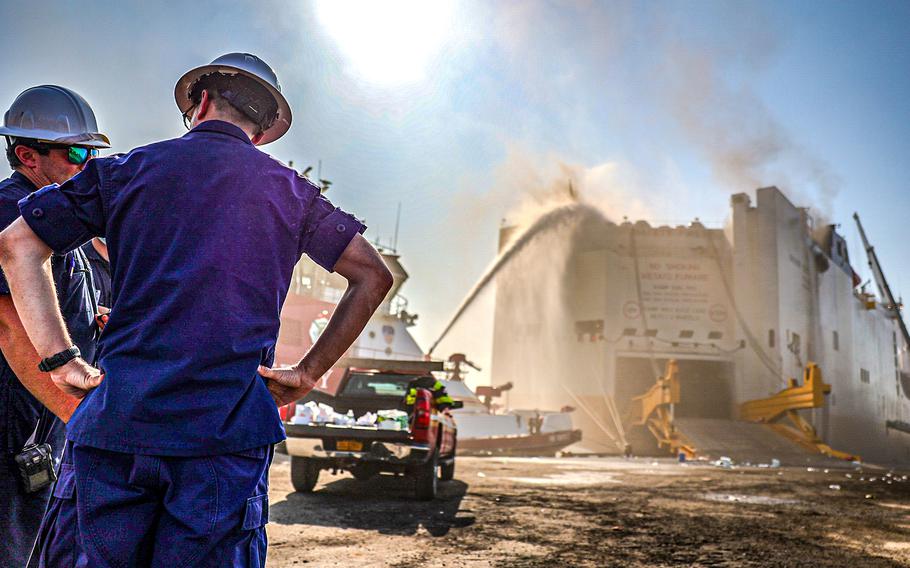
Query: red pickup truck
pixel 422 449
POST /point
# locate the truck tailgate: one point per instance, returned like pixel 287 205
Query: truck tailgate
pixel 326 431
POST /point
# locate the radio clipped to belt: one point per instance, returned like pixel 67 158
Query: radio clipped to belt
pixel 35 463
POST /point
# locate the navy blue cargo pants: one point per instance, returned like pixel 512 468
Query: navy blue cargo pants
pixel 124 510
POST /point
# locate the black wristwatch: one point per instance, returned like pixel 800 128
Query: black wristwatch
pixel 60 359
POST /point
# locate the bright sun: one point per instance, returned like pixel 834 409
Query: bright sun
pixel 387 42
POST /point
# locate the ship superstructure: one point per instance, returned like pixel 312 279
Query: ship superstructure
pixel 312 298
pixel 740 309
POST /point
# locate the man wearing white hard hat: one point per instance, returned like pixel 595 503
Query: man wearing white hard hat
pixel 50 134
pixel 168 453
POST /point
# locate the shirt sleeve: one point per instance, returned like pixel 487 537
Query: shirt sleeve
pixel 327 232
pixel 68 215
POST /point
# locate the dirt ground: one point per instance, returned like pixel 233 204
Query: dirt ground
pixel 597 512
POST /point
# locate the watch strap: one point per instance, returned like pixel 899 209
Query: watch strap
pixel 56 360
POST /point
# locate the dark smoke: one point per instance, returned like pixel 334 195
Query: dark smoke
pixel 731 128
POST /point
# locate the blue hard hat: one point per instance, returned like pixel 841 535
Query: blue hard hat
pixel 249 66
pixel 55 114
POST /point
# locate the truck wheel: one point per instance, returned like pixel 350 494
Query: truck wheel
pixel 447 470
pixel 426 479
pixel 304 474
pixel 364 471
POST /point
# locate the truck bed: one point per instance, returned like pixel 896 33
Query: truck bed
pixel 426 453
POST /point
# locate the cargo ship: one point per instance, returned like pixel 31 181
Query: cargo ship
pixel 763 320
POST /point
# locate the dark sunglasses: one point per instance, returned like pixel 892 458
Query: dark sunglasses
pixel 79 155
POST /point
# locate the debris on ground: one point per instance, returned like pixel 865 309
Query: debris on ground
pixel 608 512
pixel 724 462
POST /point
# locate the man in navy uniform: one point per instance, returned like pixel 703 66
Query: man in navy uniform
pixel 168 453
pixel 50 134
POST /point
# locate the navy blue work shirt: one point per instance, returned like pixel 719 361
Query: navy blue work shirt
pixel 19 410
pixel 203 233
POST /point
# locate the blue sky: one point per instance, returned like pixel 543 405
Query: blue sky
pixel 460 110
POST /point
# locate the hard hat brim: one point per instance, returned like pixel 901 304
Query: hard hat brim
pixel 183 86
pixel 88 139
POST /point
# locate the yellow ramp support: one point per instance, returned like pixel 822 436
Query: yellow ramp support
pixel 654 410
pixel 811 394
pixel 784 405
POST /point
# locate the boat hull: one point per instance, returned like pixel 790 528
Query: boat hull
pixel 543 444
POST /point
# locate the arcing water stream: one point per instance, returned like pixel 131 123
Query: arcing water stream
pixel 558 217
pixel 535 269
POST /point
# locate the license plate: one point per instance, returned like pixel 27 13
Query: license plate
pixel 348 446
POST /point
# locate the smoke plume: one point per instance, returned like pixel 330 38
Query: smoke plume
pixel 696 92
pixel 743 144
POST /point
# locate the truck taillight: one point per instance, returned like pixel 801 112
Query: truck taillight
pixel 422 416
pixel 287 411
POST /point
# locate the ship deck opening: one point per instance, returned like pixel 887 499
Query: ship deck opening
pixel 705 384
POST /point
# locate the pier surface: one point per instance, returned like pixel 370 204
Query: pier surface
pixel 598 512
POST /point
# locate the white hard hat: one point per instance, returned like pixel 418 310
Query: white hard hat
pixel 53 114
pixel 247 65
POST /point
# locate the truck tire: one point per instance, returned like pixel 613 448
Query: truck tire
pixel 364 471
pixel 447 470
pixel 426 479
pixel 304 474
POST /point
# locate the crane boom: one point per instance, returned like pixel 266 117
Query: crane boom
pixel 883 289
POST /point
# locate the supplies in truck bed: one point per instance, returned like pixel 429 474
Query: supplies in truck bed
pixel 320 413
pixel 392 420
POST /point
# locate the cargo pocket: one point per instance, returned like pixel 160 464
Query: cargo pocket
pixel 257 512
pixel 254 542
pixel 56 545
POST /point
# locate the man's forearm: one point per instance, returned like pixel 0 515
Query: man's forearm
pixel 42 387
pixel 26 263
pixel 351 315
pixel 369 280
pixel 22 358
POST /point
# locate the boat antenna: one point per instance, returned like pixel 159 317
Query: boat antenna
pixel 397 222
